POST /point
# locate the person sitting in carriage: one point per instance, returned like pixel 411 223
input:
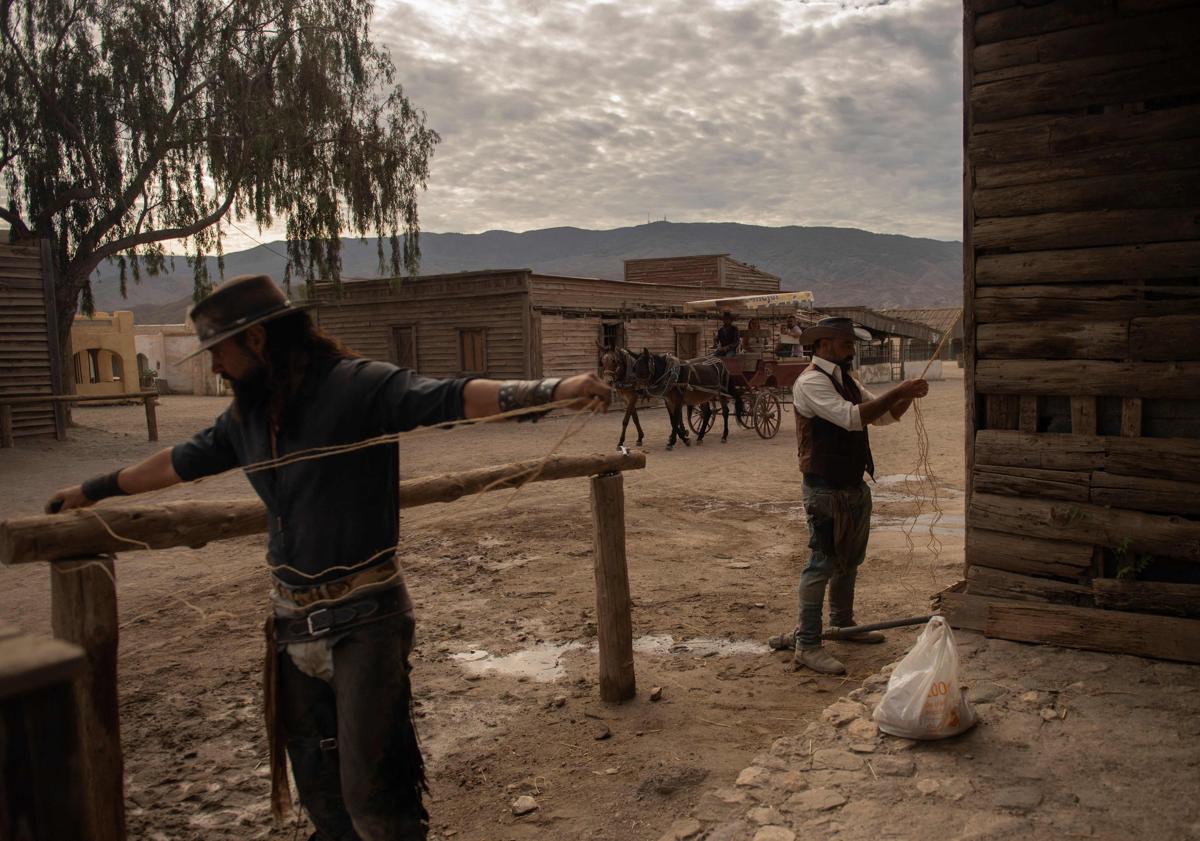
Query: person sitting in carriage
pixel 728 337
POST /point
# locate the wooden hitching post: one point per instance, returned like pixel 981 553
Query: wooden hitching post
pixel 613 621
pixel 83 605
pixel 151 419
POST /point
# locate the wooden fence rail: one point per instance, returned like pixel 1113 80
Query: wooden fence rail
pixel 81 547
pixel 7 401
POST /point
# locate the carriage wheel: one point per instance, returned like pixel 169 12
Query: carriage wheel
pixel 767 414
pixel 695 420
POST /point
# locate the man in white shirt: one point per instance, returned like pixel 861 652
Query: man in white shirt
pixel 832 411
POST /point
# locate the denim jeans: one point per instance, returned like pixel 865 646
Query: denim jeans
pixel 824 567
pixel 354 752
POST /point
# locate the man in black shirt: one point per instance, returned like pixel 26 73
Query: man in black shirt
pixel 337 690
pixel 728 337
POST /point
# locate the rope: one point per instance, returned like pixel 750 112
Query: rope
pixel 573 428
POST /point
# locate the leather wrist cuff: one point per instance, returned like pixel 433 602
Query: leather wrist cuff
pixel 521 394
pixel 102 487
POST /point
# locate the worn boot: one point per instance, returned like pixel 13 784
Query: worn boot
pixel 819 660
pixel 871 637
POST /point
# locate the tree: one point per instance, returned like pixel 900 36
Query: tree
pixel 124 123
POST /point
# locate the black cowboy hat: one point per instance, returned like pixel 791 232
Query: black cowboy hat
pixel 836 327
pixel 237 304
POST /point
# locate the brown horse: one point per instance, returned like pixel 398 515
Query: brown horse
pixel 696 382
pixel 616 366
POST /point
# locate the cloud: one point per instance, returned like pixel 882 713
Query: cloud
pixel 601 114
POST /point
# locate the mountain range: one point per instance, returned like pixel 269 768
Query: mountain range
pixel 841 266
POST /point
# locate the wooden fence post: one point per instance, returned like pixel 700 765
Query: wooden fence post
pixel 613 621
pixel 6 425
pixel 151 419
pixel 83 605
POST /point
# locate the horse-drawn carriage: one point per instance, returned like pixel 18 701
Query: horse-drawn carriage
pixel 767 363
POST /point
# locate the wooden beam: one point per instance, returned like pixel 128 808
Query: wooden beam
pixel 1019 20
pixel 1082 302
pixel 983 581
pixel 151 418
pixel 1168 338
pixel 1027 555
pixel 1087 229
pixel 83 611
pixel 1117 632
pixel 1103 264
pixel 1154 534
pixel 614 623
pixel 1029 413
pixel 1083 415
pixel 1147 596
pixel 1143 493
pixel 194 523
pixel 33 399
pixel 1156 458
pixel 970 397
pixel 1131 417
pixel 1080 377
pixel 1054 340
pixel 1029 481
pixel 1003 411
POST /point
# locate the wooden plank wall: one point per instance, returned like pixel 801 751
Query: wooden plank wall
pixel 1082 259
pixel 365 311
pixel 28 340
pixel 738 275
pixel 702 270
pixel 569 341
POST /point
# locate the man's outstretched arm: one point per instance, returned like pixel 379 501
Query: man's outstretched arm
pixel 483 397
pixel 150 474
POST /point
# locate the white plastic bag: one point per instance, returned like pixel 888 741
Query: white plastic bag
pixel 923 698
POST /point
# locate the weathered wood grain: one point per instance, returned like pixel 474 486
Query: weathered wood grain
pixel 1165 496
pixel 1072 377
pixel 1172 459
pixel 1153 155
pixel 1033 481
pixel 1091 265
pixel 1022 20
pixel 1053 340
pixel 1082 302
pixel 1147 596
pixel 1117 632
pixel 984 581
pixel 1027 555
pixel 1088 229
pixel 1154 534
pixel 1134 190
pixel 1167 338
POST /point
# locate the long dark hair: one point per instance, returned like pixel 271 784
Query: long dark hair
pixel 294 343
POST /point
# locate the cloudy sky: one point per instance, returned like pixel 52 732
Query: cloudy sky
pixel 603 114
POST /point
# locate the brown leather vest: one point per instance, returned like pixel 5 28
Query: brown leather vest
pixel 836 455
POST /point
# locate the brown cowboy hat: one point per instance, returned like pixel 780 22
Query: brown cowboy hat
pixel 836 327
pixel 237 304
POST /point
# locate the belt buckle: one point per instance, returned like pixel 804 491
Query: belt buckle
pixel 323 624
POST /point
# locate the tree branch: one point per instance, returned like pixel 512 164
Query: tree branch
pixel 61 201
pixel 15 220
pixel 134 240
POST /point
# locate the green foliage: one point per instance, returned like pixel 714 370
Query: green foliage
pixel 1130 566
pixel 124 123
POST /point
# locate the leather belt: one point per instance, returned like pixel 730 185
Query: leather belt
pixel 339 617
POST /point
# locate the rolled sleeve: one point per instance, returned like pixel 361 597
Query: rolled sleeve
pixel 815 396
pixel 210 452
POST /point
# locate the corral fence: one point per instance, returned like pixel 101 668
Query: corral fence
pixel 82 547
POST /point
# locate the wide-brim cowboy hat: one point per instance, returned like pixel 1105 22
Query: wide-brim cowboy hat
pixel 836 327
pixel 236 305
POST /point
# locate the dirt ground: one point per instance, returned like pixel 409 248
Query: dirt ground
pixel 505 667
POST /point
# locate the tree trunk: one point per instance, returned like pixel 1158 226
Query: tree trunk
pixel 67 286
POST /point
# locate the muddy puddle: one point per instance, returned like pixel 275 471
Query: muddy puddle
pixel 545 662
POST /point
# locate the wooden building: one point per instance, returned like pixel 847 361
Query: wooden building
pixel 941 320
pixel 518 323
pixel 1082 328
pixel 29 350
pixel 702 271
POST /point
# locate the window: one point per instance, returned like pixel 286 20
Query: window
pixel 472 350
pixel 612 334
pixel 687 343
pixel 404 346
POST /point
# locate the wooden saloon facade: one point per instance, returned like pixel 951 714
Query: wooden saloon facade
pixel 519 323
pixel 1082 327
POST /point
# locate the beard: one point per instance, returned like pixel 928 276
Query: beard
pixel 251 389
